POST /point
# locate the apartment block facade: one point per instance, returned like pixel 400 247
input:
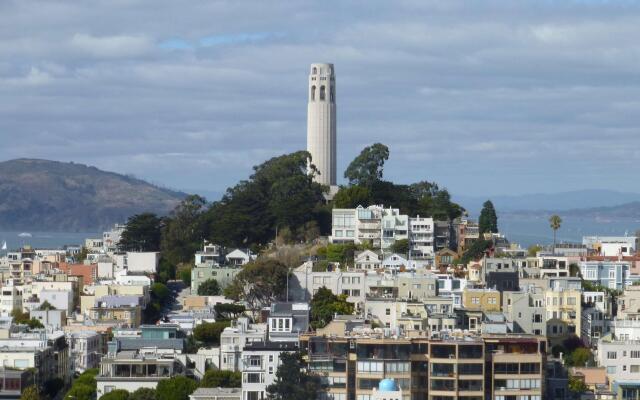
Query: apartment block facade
pixel 469 368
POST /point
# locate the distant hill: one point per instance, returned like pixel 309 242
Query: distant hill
pixel 42 195
pixel 627 211
pixel 572 200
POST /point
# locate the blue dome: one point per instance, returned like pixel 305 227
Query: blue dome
pixel 388 385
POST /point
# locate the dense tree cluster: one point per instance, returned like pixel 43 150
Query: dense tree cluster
pixel 210 287
pixel 259 284
pixel 325 305
pixel 84 386
pixel 208 333
pixel 366 187
pixel 218 378
pixel 292 381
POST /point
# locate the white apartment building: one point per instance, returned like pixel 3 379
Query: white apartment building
pixel 612 245
pixel 383 227
pixel 421 237
pixel 304 283
pixel 10 299
pixel 395 226
pixel 621 358
pixel 234 338
pixel 259 365
pixel 85 350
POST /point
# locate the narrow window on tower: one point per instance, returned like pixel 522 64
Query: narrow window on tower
pixel 332 95
pixel 315 70
pixel 313 93
pixel 322 93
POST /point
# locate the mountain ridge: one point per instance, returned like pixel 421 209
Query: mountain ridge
pixel 39 194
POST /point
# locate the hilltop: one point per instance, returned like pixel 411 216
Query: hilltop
pixel 59 196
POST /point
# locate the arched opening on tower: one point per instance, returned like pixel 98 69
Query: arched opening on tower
pixel 315 70
pixel 313 93
pixel 323 94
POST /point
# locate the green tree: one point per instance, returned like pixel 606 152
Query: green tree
pixel 117 394
pixel 209 332
pixel 160 293
pixel 476 250
pixel 46 306
pixel 184 230
pixel 280 193
pixel 367 167
pixel 259 284
pixel 143 394
pixel 185 276
pixel 352 197
pixel 19 316
pixel 400 246
pixel 30 393
pixel 52 386
pixel 217 378
pixel 488 221
pixel 340 252
pixel 229 311
pixel 577 385
pixel 555 222
pixel 34 323
pixel 166 270
pixel 292 382
pixel 210 287
pixel 142 233
pixel 82 255
pixel 84 386
pixel 533 250
pixel 580 357
pixel 176 388
pixel 325 305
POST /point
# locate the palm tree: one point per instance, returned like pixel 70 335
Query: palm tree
pixel 555 221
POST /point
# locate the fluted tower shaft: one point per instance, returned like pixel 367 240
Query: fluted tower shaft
pixel 321 122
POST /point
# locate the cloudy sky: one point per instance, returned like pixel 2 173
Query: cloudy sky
pixel 483 97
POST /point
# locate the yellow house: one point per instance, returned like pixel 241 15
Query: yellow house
pixel 481 299
pixel 563 314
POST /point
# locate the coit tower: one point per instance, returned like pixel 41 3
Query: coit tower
pixel 321 122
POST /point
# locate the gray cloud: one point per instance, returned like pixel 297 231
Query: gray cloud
pixel 483 97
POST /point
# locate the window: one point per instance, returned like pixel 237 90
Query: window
pixel 635 354
pixel 634 369
pixel 387 311
pixel 370 366
pixel 571 301
pixel 612 355
pixel 323 93
pixel 611 370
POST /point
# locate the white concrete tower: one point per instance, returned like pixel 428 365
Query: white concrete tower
pixel 321 122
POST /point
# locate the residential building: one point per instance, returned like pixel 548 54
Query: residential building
pixel 131 370
pixel 260 361
pixel 612 245
pixel 287 321
pixel 86 349
pixel 239 257
pixel 525 311
pixel 143 262
pixel 610 274
pixel 234 338
pixel 563 309
pixel 224 275
pixel 124 311
pixel 421 239
pixel 367 260
pixel 353 365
